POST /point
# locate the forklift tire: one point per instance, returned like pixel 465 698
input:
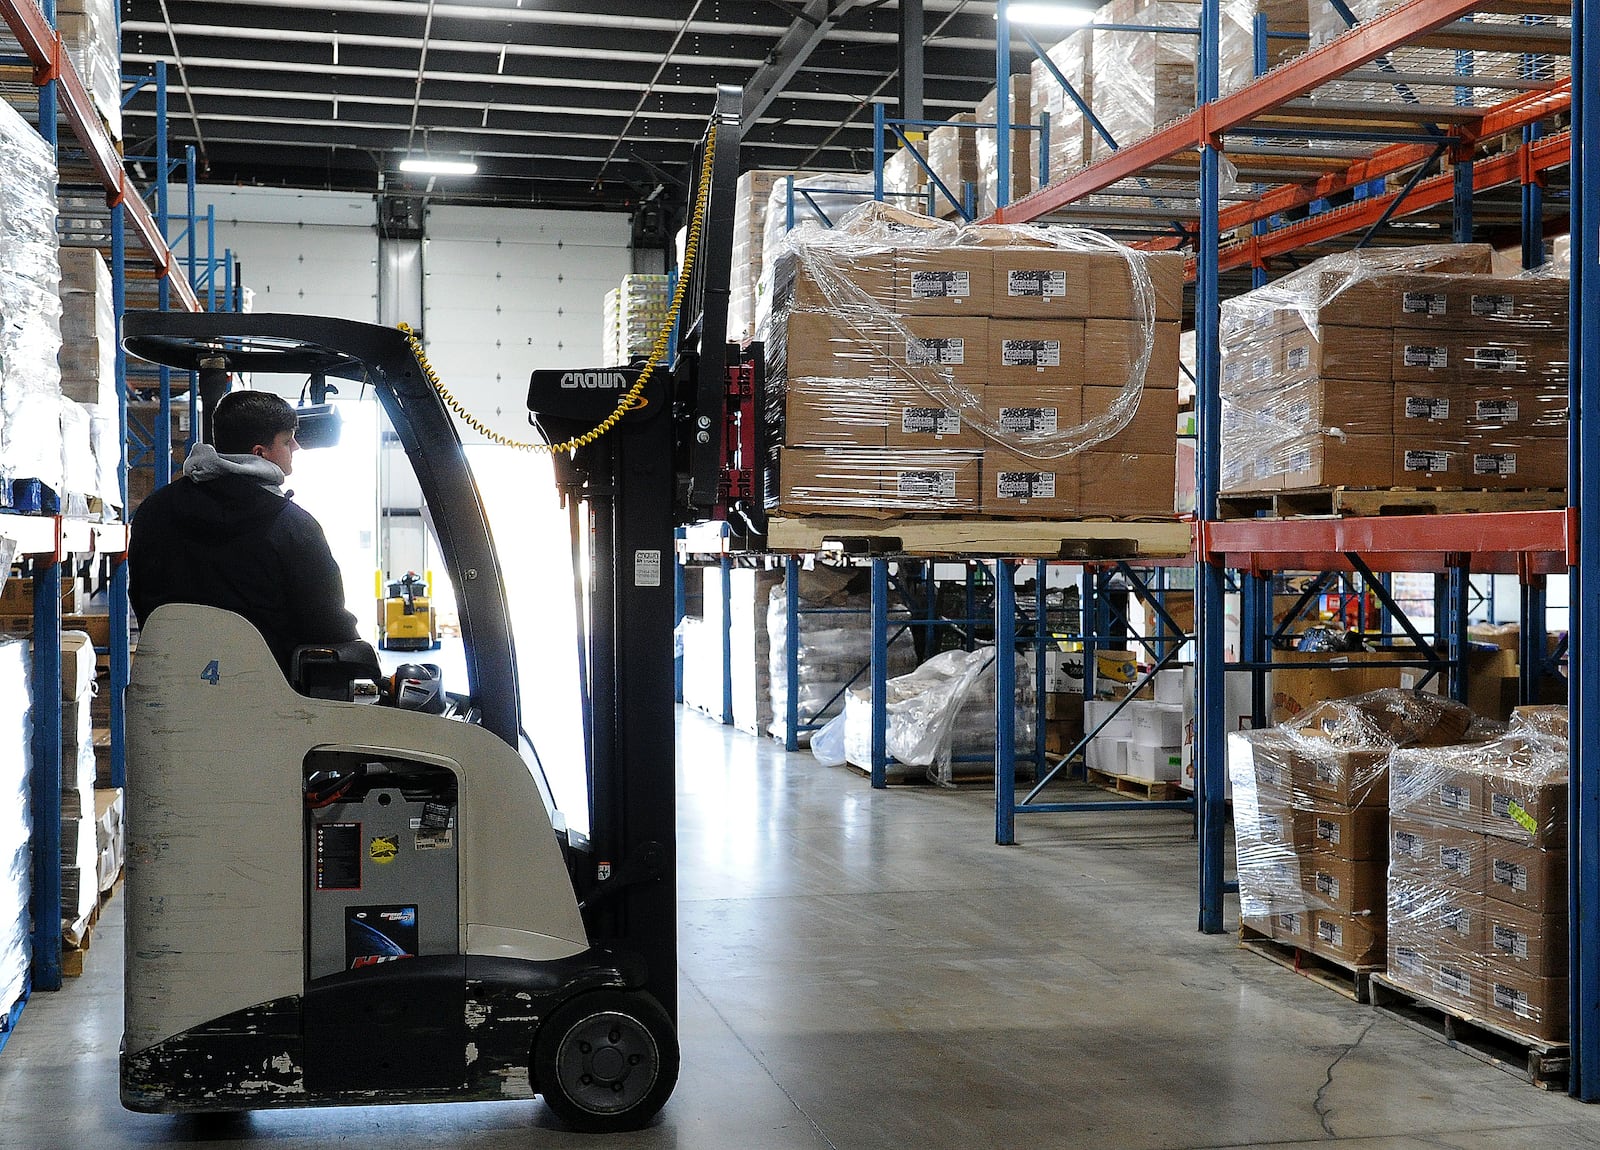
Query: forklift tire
pixel 606 1061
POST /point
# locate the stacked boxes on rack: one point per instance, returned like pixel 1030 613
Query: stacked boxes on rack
pixel 635 313
pixel 89 367
pixel 1478 863
pixel 92 37
pixel 30 309
pixel 80 853
pixel 1070 132
pixel 750 207
pixel 1311 816
pixel 917 368
pixel 1144 738
pixel 1237 36
pixel 1023 150
pixel 1143 79
pixel 1413 368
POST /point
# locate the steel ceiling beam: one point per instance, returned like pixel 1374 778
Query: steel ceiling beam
pixel 811 27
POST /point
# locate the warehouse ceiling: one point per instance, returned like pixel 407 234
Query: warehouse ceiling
pixel 559 102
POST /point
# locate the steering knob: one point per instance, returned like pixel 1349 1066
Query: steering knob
pixel 418 687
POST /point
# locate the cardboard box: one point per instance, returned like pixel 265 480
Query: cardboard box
pixel 1355 833
pixel 1437 855
pixel 1455 981
pixel 1343 776
pixel 1157 724
pixel 1064 675
pixel 1154 764
pixel 1341 407
pixel 1250 365
pixel 1515 938
pixel 1345 885
pixel 16 595
pixel 1107 754
pixel 1110 294
pixel 1036 283
pixel 1111 347
pixel 945 350
pixel 1350 353
pixel 1525 876
pixel 824 413
pixel 1505 462
pixel 1017 487
pixel 1125 484
pixel 1151 431
pixel 1532 813
pixel 1479 303
pixel 947 282
pixel 1430 411
pixel 811 345
pixel 1357 939
pixel 1031 411
pixel 1430 462
pixel 1033 354
pixel 1537 411
pixel 1437 792
pixel 794 287
pixel 1117 724
pixel 826 481
pixel 1536 1007
pixel 920 420
pixel 1476 359
pixel 1329 461
pixel 931 482
pixel 1446 921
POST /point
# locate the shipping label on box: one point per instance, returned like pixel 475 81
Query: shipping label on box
pixel 955 281
pixel 931 481
pixel 942 351
pixel 921 423
pixel 935 351
pixel 1036 489
pixel 1030 282
pixel 1526 876
pixel 1011 414
pixel 1030 354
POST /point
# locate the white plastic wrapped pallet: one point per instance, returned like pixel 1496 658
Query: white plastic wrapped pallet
pixel 827 197
pixel 16 824
pixel 30 307
pixel 1143 79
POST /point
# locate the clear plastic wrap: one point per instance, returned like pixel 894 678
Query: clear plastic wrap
pixel 1070 132
pixel 1024 146
pixel 1477 872
pixel 79 471
pixel 814 203
pixel 88 328
pixel 16 825
pixel 1408 367
pixel 90 34
pixel 1238 36
pixel 611 330
pixel 751 203
pixel 942 711
pixel 30 307
pixel 918 367
pixel 1143 79
pixel 835 641
pixel 952 155
pixel 1311 806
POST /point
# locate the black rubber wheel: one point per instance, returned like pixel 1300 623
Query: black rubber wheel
pixel 606 1061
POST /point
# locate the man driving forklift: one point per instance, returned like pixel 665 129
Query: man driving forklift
pixel 225 535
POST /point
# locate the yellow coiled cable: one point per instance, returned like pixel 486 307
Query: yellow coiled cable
pixel 658 351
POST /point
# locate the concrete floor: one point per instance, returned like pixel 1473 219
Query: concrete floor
pixel 867 969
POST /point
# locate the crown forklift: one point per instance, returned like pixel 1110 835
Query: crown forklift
pixel 337 903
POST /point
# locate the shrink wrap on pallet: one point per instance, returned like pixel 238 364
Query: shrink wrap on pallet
pixel 1478 911
pixel 1022 151
pixel 811 204
pixel 1070 130
pixel 917 367
pixel 1237 52
pixel 1143 79
pixel 835 647
pixel 1311 801
pixel 16 824
pixel 30 308
pixel 1413 367
pixel 941 712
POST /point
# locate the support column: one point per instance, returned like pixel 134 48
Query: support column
pixel 1005 700
pixel 880 673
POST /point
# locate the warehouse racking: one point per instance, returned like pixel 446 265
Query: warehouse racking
pixel 1395 135
pixel 108 213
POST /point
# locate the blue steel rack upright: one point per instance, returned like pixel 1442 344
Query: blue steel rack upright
pixel 1530 545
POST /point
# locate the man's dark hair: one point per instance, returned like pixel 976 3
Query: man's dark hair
pixel 245 419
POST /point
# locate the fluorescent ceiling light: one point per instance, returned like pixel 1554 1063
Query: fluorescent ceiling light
pixel 1049 15
pixel 428 166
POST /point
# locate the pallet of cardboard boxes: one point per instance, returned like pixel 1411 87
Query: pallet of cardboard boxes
pixel 1413 367
pixel 918 369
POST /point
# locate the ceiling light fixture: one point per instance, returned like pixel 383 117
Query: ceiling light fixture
pixel 428 166
pixel 1050 15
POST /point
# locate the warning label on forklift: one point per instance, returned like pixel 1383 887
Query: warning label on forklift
pixel 338 856
pixel 647 568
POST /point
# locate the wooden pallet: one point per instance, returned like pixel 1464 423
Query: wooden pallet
pixel 1083 540
pixel 1360 502
pixel 1543 1063
pixel 1354 982
pixel 1157 791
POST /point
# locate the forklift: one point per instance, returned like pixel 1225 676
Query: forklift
pixel 338 895
pixel 406 619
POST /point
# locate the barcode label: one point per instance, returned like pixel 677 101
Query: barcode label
pixel 1425 355
pixel 1509 941
pixel 1497 359
pixel 1426 407
pixel 1456 860
pixel 1422 303
pixel 941 350
pixel 1512 999
pixel 1328 831
pixel 1030 352
pixel 1503 410
pixel 1328 884
pixel 1330 932
pixel 1037 284
pixel 1025 485
pixel 1494 306
pixel 1510 874
pixel 926 484
pixel 1407 844
pixel 1494 463
pixel 930 421
pixel 1454 798
pixel 1427 461
pixel 1039 420
pixel 1299 358
pixel 941 285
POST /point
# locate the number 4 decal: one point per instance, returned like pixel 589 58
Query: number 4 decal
pixel 212 673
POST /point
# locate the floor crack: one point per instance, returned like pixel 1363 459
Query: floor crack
pixel 1318 1104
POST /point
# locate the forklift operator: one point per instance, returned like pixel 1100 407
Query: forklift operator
pixel 224 535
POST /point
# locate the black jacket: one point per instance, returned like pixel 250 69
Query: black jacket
pixel 229 542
